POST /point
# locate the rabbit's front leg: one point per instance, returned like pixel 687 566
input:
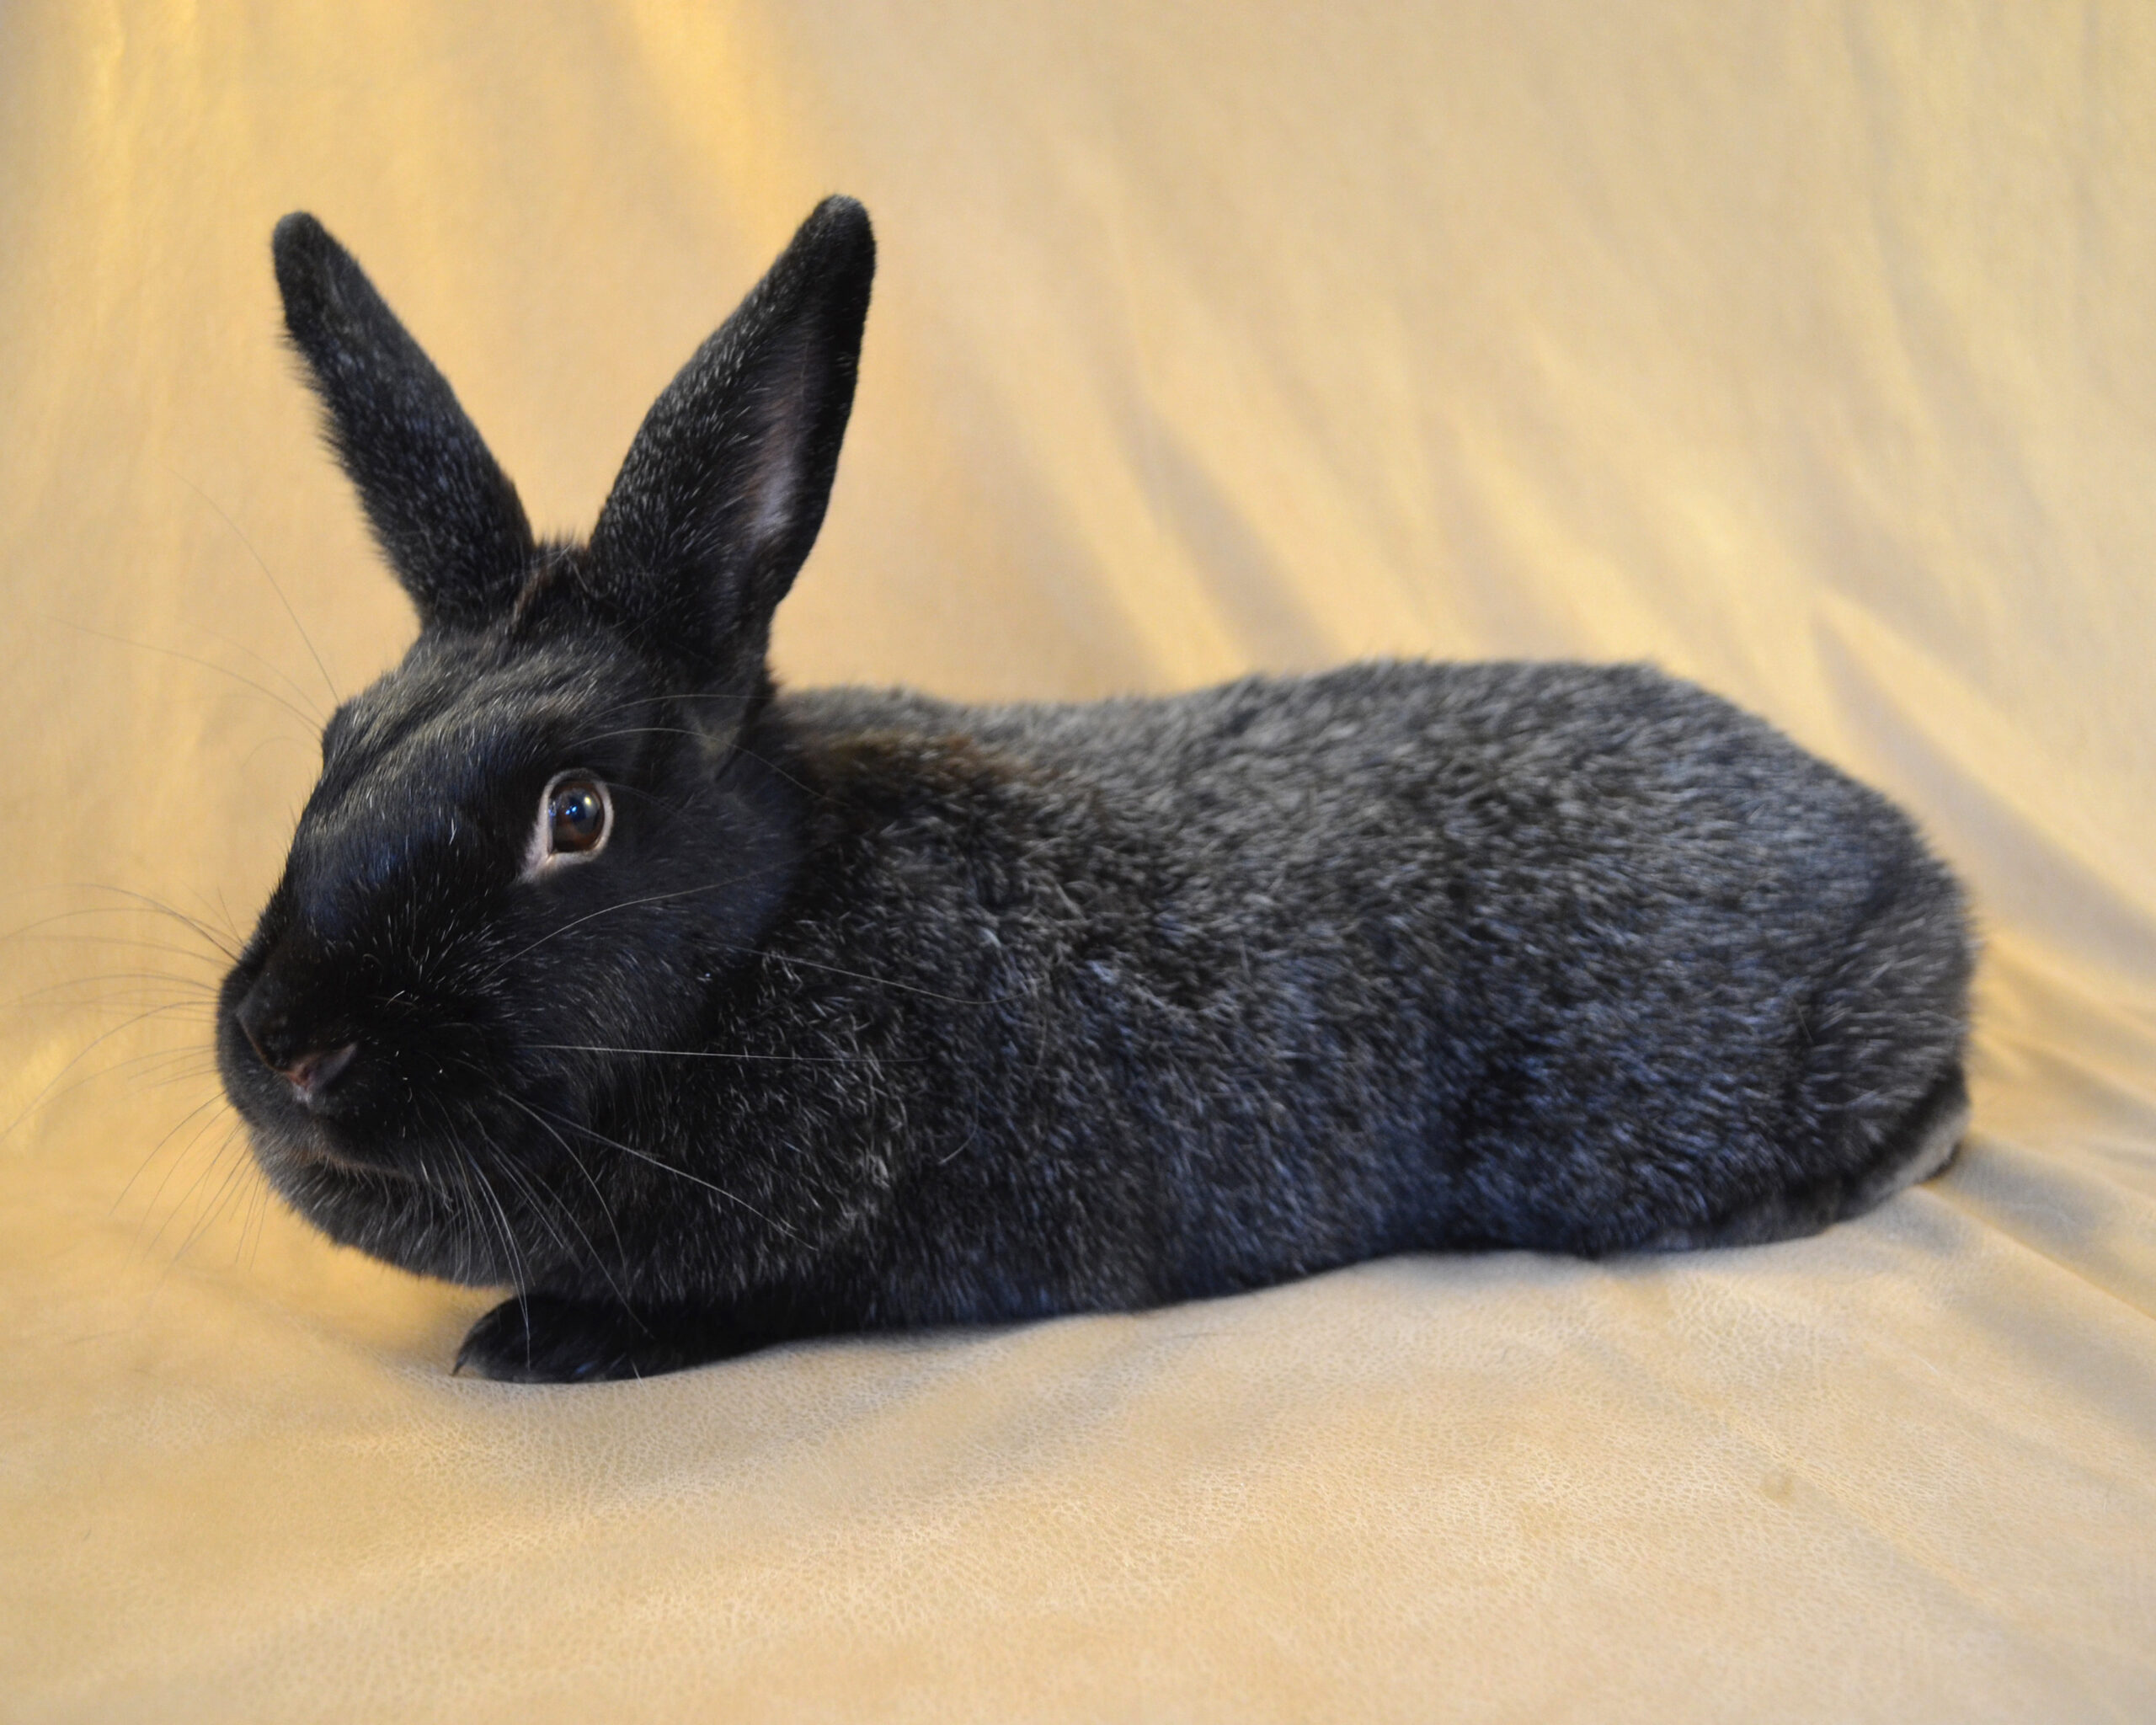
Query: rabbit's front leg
pixel 547 1339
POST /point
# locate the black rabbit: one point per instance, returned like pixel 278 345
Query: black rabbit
pixel 708 1016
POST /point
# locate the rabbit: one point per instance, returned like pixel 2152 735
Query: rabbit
pixel 706 1016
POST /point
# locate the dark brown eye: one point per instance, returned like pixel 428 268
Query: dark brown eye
pixel 574 816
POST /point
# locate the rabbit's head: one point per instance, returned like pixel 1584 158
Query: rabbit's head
pixel 536 840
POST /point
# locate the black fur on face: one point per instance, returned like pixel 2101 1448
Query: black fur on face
pixel 422 1028
pixel 406 927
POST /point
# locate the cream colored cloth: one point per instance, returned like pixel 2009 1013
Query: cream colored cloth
pixel 1810 353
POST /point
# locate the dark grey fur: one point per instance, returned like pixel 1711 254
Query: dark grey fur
pixel 877 1010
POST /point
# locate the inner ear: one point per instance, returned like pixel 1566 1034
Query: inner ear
pixel 774 482
pixel 725 488
pixel 779 438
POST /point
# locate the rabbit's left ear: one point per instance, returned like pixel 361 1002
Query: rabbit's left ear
pixel 725 488
pixel 444 514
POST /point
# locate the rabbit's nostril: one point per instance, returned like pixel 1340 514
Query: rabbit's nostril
pixel 295 1046
pixel 315 1072
pixel 263 1027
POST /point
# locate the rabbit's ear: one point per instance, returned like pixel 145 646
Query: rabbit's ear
pixel 445 516
pixel 724 487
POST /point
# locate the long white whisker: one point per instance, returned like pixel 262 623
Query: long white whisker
pixel 313 721
pixel 625 904
pixel 534 1194
pixel 704 1054
pixel 231 951
pixel 50 1084
pixel 567 1150
pixel 680 1174
pixel 863 976
pixel 241 536
pixel 177 1126
pixel 519 1265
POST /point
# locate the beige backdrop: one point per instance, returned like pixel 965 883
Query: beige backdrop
pixel 1810 352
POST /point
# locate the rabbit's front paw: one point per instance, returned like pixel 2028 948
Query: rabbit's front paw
pixel 543 1338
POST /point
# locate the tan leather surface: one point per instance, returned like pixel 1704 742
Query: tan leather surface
pixel 1810 354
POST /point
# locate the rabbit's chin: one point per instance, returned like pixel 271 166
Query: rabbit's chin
pixel 403 1217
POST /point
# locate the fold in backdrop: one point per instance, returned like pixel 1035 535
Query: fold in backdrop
pixel 1810 353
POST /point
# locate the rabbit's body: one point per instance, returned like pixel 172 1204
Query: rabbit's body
pixel 1129 1002
pixel 878 1011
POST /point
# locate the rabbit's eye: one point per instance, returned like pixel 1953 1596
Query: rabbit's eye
pixel 575 816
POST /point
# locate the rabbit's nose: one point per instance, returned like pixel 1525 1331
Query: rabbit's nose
pixel 310 1069
pixel 314 1071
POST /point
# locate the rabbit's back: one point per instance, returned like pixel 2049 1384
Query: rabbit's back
pixel 1301 971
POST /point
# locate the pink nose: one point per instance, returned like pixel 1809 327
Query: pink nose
pixel 315 1072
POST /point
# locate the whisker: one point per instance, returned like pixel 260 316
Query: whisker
pixel 507 1169
pixel 271 665
pixel 955 999
pixel 311 720
pixel 176 1059
pixel 120 1197
pixel 532 1190
pixel 328 682
pixel 640 730
pixel 159 907
pixel 225 910
pixel 482 1223
pixel 187 1010
pixel 214 1208
pixel 736 747
pixel 519 1265
pixel 771 766
pixel 243 1247
pixel 201 986
pixel 193 1186
pixel 605 1208
pixel 263 1198
pixel 682 1173
pixel 29 931
pixel 51 1083
pixel 699 1054
pixel 180 1074
pixel 746 951
pixel 205 1064
pixel 625 905
pixel 640 700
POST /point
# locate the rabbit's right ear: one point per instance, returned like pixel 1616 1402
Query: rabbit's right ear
pixel 724 487
pixel 444 513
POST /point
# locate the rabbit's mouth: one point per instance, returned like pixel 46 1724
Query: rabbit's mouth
pixel 304 1143
pixel 315 1147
